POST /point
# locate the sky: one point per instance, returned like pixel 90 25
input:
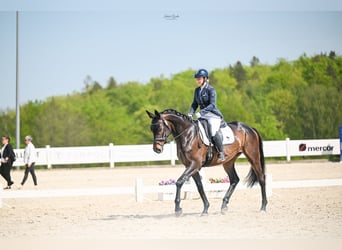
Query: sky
pixel 63 42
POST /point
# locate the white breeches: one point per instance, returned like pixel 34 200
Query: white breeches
pixel 214 125
pixel 214 122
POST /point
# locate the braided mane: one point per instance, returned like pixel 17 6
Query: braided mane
pixel 175 112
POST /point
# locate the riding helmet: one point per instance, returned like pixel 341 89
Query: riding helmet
pixel 201 73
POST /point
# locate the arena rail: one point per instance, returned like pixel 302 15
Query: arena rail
pixel 111 154
pixel 139 189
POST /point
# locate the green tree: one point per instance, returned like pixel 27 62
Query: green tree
pixel 319 112
pixel 298 99
pixel 239 73
pixel 111 83
pixel 283 103
pixel 254 61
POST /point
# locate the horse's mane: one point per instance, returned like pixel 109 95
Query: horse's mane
pixel 175 112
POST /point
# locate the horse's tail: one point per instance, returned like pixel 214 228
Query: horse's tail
pixel 252 178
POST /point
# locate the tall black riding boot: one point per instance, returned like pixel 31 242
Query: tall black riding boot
pixel 218 139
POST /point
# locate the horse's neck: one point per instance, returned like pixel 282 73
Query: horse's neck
pixel 179 124
pixel 184 133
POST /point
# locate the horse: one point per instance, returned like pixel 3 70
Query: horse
pixel 191 151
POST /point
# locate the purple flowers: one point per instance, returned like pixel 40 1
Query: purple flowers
pixel 167 182
pixel 219 180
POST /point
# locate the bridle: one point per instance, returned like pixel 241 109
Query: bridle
pixel 165 135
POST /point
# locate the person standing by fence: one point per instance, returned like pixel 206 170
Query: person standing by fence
pixel 7 159
pixel 29 160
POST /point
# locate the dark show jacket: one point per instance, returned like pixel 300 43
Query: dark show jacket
pixel 8 152
pixel 206 100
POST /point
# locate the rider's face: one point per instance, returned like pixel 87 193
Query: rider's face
pixel 200 81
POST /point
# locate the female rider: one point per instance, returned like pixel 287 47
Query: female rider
pixel 205 98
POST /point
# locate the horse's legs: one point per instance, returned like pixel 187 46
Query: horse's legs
pixel 198 181
pixel 183 178
pixel 263 193
pixel 255 157
pixel 256 168
pixel 234 180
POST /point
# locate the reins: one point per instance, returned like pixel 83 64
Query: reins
pixel 175 137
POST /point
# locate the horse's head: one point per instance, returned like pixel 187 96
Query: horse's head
pixel 160 129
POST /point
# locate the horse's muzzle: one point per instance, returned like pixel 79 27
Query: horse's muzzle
pixel 158 148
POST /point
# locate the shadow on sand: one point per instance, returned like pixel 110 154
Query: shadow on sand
pixel 152 216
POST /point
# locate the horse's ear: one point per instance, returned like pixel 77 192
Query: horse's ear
pixel 150 114
pixel 156 113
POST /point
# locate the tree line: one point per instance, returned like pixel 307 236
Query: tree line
pixel 299 99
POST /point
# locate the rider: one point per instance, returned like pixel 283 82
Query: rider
pixel 205 98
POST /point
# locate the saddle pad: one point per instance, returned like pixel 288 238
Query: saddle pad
pixel 228 135
pixel 227 132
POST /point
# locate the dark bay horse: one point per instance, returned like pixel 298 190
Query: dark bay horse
pixel 192 153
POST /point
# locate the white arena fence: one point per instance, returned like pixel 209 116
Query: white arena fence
pixel 112 154
pixel 143 153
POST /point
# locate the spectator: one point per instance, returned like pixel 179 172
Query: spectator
pixel 7 159
pixel 29 160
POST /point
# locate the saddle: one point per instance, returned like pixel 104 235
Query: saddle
pixel 204 129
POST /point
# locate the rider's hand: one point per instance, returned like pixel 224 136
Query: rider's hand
pixel 198 115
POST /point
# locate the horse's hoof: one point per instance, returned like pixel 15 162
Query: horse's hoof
pixel 224 210
pixel 263 209
pixel 178 212
pixel 203 214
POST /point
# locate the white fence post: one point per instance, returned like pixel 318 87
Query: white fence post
pixel 288 156
pixel 139 190
pixel 48 160
pixel 173 154
pixel 111 155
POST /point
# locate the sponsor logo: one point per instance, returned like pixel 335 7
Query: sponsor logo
pixel 304 147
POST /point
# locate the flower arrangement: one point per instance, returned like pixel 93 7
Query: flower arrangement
pixel 219 180
pixel 167 182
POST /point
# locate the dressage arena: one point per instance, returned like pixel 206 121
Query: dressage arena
pixel 292 213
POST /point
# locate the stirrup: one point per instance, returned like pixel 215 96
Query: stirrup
pixel 221 156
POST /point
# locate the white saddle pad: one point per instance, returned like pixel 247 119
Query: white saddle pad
pixel 227 132
pixel 228 135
